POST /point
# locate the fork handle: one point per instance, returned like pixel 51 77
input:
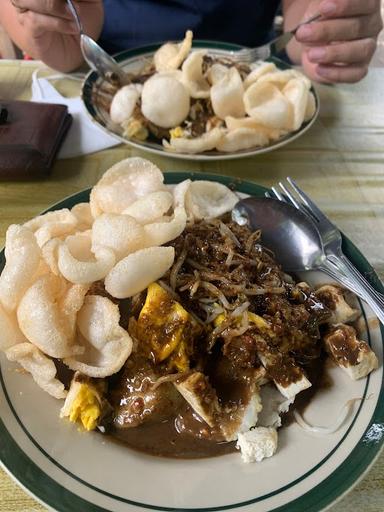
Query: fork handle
pixel 350 268
pixel 339 269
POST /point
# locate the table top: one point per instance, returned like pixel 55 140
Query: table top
pixel 339 162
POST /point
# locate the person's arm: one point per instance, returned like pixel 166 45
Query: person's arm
pixel 45 30
pixel 339 47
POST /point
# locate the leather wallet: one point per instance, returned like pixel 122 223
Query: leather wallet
pixel 30 136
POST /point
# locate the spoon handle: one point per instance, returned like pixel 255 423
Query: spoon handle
pixel 75 14
pixel 342 262
pixel 341 273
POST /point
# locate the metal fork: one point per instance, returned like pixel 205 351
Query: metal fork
pixel 272 48
pixel 332 243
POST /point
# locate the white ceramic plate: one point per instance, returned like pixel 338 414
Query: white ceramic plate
pixel 68 470
pixel 96 95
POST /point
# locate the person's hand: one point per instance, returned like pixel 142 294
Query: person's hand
pixel 42 16
pixel 46 29
pixel 339 47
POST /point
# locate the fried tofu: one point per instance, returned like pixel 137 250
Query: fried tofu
pixel 201 396
pixel 355 357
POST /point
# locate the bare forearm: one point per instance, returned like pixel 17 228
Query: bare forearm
pixel 52 39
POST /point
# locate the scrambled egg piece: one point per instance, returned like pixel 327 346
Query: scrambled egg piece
pixel 83 405
pixel 259 321
pixel 176 133
pixel 167 327
pixel 133 128
pixel 253 318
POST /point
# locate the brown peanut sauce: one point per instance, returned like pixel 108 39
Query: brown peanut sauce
pixel 175 437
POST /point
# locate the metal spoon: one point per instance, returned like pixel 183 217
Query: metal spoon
pixel 294 239
pixel 93 54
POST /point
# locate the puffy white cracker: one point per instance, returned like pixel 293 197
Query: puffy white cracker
pixel 193 77
pixel 159 233
pixel 242 138
pixel 234 123
pixel 135 272
pixel 123 184
pixel 53 224
pixel 151 207
pixel 120 233
pixel 205 142
pixel 208 199
pixel 63 216
pixel 165 101
pixel 280 78
pixel 79 265
pixel 83 214
pixel 310 108
pixel 227 95
pixel 49 252
pixel 10 333
pixel 217 72
pixel 42 369
pixel 259 69
pixel 22 255
pixel 170 56
pixel 268 106
pixel 107 345
pixel 124 102
pixel 297 94
pixel 45 317
pixel 179 192
pixel 70 304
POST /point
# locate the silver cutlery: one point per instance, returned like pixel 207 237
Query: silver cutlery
pixel 289 233
pixel 93 54
pixel 331 239
pixel 272 48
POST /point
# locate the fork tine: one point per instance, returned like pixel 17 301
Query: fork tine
pixel 278 195
pixel 300 205
pixel 311 206
pixel 289 195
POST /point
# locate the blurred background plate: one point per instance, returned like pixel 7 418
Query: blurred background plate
pixel 97 94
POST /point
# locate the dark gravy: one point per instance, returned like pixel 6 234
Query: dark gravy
pixel 166 440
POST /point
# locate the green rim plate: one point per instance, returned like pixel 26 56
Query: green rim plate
pixel 93 85
pixel 51 493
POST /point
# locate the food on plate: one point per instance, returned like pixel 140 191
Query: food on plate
pixel 186 100
pixel 179 331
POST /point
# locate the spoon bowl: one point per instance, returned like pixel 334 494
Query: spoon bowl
pixel 286 231
pixel 98 59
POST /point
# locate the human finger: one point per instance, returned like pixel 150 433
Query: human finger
pixel 40 23
pixel 343 74
pixel 346 8
pixel 351 52
pixel 50 7
pixel 341 29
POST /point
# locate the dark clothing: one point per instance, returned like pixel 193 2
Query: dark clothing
pixel 130 23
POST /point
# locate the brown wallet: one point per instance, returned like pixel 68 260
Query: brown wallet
pixel 30 137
